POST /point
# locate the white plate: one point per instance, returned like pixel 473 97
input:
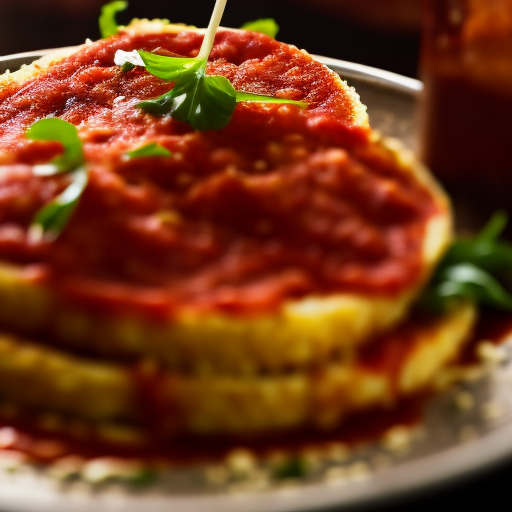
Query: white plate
pixel 438 456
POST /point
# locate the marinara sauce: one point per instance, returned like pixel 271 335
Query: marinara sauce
pixel 282 203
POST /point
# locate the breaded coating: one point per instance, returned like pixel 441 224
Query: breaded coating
pixel 36 376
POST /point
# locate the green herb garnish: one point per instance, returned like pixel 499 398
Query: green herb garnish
pixel 127 67
pixel 203 101
pixel 293 467
pixel 258 98
pixel 149 150
pixel 266 26
pixel 57 130
pixel 51 220
pixel 142 478
pixel 484 250
pixel 471 270
pixel 107 21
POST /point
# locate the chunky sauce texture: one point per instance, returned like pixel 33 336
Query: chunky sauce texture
pixel 281 204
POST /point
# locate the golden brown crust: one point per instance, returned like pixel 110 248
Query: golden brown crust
pixel 36 376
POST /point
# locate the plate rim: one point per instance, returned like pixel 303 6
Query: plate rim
pixel 392 80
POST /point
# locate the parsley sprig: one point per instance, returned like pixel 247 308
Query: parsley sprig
pixel 107 21
pixel 472 270
pixel 293 467
pixel 51 220
pixel 203 101
pixel 152 149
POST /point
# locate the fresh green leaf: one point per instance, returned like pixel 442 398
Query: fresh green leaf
pixel 170 69
pixel 484 287
pixel 149 150
pixel 205 102
pixel 127 67
pixel 266 26
pixel 442 297
pixel 142 478
pixel 260 98
pixel 57 130
pixel 207 105
pixel 490 256
pixel 494 228
pixel 53 218
pixel 294 467
pixel 160 106
pixel 466 282
pixel 108 23
pixel 484 250
pixel 471 270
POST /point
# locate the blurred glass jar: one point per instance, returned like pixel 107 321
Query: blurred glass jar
pixel 466 119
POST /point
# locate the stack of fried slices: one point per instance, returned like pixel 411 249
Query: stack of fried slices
pixel 260 279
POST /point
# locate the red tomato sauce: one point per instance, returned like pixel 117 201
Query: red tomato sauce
pixel 42 446
pixel 281 204
pixel 385 354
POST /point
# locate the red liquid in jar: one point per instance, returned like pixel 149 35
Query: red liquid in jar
pixel 467 104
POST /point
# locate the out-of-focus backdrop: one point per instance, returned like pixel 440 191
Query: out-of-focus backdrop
pixel 381 33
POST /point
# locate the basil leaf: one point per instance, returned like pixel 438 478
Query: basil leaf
pixel 127 67
pixel 488 255
pixel 484 250
pixel 294 467
pixel 494 228
pixel 141 478
pixel 266 26
pixel 149 150
pixel 471 269
pixel 159 106
pixel 442 297
pixel 205 102
pixel 57 130
pixel 107 21
pixel 53 218
pixel 170 69
pixel 260 98
pixel 467 281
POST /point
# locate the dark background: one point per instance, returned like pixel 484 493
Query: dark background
pixel 27 25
